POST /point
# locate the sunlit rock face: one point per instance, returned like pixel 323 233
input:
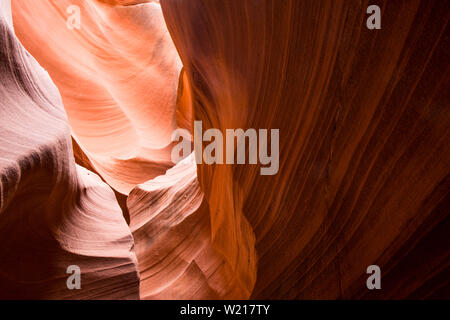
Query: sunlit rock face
pixel 118 78
pixel 171 227
pixel 120 82
pixel 363 149
pixel 53 213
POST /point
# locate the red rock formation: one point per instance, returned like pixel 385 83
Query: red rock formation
pixel 124 128
pixel 118 77
pixel 171 228
pixel 364 141
pixel 53 213
pixel 364 149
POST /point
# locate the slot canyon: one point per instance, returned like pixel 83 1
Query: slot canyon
pixel 87 116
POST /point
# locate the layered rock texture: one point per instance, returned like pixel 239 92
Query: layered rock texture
pixel 87 116
pixel 54 213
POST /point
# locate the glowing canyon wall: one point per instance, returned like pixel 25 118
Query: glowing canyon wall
pixel 87 179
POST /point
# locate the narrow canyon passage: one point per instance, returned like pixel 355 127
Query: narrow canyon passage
pixel 88 114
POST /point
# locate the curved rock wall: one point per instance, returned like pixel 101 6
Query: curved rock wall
pixel 363 118
pixel 53 213
pixel 363 149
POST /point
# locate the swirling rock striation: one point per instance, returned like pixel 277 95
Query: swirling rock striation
pixel 364 153
pixel 53 213
pixel 118 78
pixel 363 163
